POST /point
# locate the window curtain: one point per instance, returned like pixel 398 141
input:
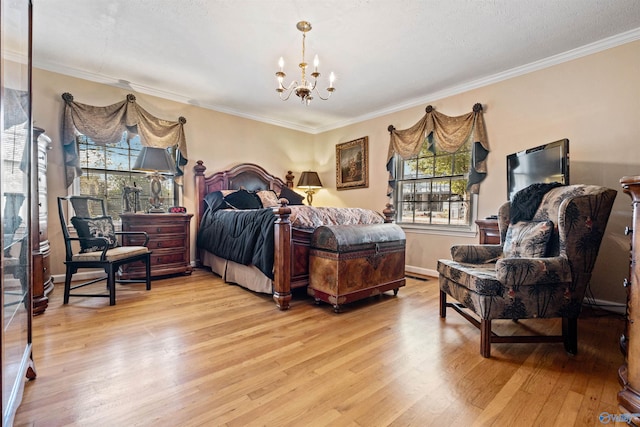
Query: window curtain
pixel 105 125
pixel 447 133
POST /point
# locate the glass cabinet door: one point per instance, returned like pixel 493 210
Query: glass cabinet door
pixel 15 194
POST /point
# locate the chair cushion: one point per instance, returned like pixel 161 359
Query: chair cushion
pixel 114 254
pixel 527 239
pixel 479 278
pixel 95 227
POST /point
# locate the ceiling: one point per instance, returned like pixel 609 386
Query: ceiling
pixel 387 55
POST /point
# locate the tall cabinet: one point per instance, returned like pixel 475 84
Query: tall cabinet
pixel 42 280
pixel 629 373
pixel 16 191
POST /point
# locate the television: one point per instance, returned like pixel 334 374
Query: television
pixel 545 163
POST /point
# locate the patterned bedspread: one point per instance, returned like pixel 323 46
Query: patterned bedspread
pixel 310 217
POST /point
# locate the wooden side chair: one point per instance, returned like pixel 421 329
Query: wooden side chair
pixel 99 247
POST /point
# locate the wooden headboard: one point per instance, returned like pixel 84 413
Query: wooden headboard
pixel 249 176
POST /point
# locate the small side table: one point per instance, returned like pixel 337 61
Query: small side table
pixel 489 231
pixel 169 239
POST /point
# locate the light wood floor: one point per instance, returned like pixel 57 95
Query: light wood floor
pixel 194 351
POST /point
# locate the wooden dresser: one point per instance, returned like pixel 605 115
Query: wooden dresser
pixel 168 239
pixel 42 280
pixel 629 373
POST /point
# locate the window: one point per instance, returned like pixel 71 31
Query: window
pixel 107 169
pixel 431 188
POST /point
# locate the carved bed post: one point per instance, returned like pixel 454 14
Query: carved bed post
pixel 389 213
pixel 282 256
pixel 199 169
pixel 290 176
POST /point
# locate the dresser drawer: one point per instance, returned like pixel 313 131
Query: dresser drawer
pixel 157 228
pixel 156 242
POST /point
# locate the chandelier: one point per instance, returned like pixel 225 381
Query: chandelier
pixel 303 89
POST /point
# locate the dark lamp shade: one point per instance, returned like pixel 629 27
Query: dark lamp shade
pixel 153 159
pixel 309 179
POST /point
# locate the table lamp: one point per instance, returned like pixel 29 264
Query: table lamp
pixel 156 161
pixel 310 181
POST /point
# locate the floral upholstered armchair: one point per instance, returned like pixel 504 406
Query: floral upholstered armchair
pixel 541 269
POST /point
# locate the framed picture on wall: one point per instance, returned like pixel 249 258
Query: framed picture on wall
pixel 352 164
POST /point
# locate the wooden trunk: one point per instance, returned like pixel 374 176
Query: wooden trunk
pixel 352 262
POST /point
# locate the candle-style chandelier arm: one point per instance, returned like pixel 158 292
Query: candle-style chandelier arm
pixel 330 89
pixel 286 90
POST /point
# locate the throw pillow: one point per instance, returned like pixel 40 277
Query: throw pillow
pixel 527 239
pixel 293 197
pixel 90 228
pixel 242 199
pixel 269 198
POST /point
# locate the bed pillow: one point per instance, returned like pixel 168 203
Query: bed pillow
pixel 527 239
pixel 269 198
pixel 243 199
pixel 213 199
pixel 293 197
pixel 88 228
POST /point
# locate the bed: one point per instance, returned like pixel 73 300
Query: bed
pixel 274 271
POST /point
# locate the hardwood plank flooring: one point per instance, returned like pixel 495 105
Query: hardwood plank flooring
pixel 195 351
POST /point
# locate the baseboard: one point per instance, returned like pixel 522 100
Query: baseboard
pixel 84 276
pixel 419 271
pixel 614 307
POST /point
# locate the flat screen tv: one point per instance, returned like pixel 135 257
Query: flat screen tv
pixel 546 163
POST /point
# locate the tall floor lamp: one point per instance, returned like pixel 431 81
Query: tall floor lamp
pixel 310 182
pixel 156 161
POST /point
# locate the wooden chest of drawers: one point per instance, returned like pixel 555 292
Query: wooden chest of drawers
pixel 168 239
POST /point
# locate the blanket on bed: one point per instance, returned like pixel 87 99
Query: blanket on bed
pixel 243 236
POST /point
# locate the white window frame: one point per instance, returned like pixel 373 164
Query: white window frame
pixel 466 230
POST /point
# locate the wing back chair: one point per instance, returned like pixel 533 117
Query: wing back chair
pixel 541 268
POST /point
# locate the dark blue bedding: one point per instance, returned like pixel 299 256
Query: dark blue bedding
pixel 243 236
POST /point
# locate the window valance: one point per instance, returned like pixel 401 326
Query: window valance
pixel 105 125
pixel 447 133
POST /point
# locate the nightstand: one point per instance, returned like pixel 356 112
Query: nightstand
pixel 168 239
pixel 489 231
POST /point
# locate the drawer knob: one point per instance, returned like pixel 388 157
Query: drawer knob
pixel 626 283
pixel 628 230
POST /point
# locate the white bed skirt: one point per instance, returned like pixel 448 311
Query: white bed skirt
pixel 247 276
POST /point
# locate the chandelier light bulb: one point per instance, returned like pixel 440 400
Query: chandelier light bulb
pixel 281 63
pixel 316 62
